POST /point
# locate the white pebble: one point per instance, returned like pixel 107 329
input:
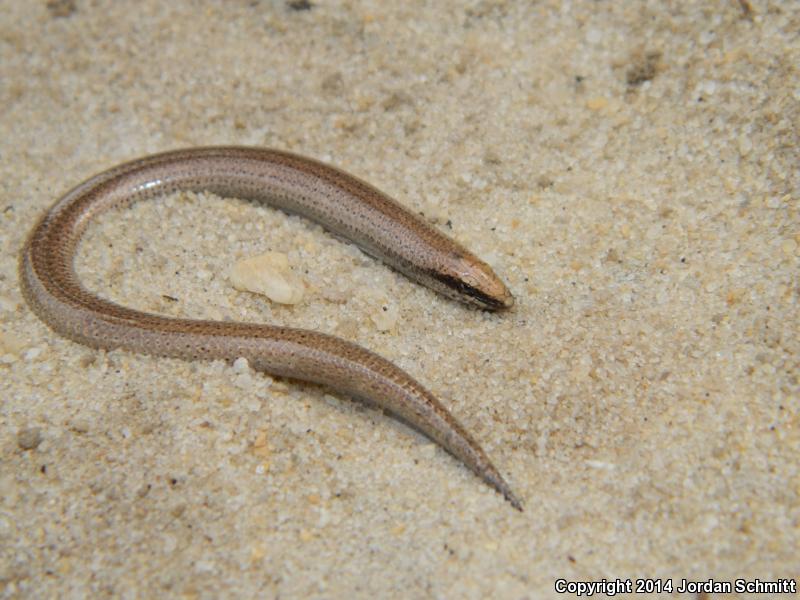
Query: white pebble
pixel 240 365
pixel 268 274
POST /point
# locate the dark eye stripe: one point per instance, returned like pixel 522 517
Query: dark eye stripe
pixel 465 289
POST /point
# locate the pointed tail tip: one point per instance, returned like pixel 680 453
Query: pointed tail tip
pixel 498 483
pixel 515 502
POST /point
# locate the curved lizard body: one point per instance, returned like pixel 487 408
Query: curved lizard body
pixel 338 201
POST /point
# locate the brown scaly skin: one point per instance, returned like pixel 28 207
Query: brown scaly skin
pixel 342 203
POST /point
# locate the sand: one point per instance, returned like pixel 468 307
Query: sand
pixel 630 169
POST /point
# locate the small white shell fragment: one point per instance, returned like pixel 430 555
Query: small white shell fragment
pixel 268 274
pixel 240 365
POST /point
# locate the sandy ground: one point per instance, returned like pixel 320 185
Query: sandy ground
pixel 629 168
